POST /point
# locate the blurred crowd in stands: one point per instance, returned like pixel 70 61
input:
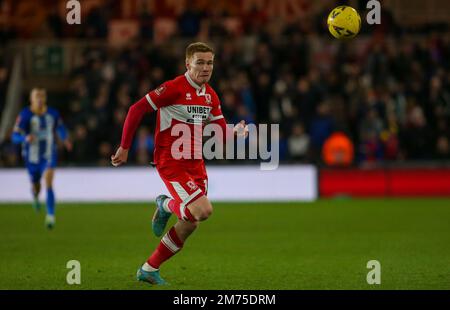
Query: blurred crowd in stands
pixel 388 90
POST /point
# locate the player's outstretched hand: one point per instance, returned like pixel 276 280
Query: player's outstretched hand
pixel 241 129
pixel 120 157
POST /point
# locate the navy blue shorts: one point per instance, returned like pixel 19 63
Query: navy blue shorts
pixel 37 170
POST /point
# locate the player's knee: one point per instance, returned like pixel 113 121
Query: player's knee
pixel 206 212
pixel 201 209
pixel 36 187
pixel 49 179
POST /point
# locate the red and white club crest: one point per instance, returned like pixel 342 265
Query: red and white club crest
pixel 160 90
pixel 208 98
pixel 191 185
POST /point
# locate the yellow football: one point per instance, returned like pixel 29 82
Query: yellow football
pixel 344 22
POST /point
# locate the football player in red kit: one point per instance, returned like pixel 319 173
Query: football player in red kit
pixel 186 101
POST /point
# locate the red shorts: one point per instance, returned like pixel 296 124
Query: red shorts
pixel 185 183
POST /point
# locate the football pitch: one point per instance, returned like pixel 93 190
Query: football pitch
pixel 320 245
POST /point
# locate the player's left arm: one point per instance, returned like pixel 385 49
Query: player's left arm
pixel 216 117
pixel 62 132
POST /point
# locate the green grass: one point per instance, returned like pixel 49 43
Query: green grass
pixel 321 245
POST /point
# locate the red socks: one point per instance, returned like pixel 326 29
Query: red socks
pixel 170 244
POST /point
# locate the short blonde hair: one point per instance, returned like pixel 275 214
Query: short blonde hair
pixel 198 47
pixel 38 90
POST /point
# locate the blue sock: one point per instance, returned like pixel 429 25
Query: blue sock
pixel 50 202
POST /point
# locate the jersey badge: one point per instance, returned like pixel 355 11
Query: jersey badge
pixel 208 98
pixel 160 90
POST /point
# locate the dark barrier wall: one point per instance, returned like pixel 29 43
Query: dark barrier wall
pixel 384 182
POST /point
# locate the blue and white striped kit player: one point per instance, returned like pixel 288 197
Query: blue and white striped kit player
pixel 35 130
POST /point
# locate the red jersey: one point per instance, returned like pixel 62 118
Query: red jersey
pixel 178 101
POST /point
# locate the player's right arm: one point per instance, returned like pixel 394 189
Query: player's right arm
pixel 164 95
pixel 132 121
pixel 21 130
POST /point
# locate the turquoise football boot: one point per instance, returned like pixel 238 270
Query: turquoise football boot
pixel 151 277
pixel 160 217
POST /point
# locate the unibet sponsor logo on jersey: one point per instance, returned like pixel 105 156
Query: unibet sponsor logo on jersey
pixel 197 113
